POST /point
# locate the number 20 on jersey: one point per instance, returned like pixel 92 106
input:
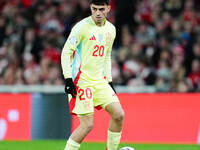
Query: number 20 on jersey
pixel 98 50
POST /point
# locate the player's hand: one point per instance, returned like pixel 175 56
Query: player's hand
pixel 70 88
pixel 112 86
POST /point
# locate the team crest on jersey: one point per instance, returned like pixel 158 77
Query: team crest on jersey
pixel 108 38
pixel 73 40
pixel 100 37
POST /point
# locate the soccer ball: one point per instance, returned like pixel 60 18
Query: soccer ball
pixel 127 148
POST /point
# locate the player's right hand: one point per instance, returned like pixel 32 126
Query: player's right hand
pixel 70 88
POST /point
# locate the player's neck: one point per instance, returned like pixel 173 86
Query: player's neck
pixel 100 23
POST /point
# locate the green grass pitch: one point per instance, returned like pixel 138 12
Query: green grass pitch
pixel 60 144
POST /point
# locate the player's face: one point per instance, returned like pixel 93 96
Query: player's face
pixel 99 12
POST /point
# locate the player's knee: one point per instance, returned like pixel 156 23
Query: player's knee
pixel 88 127
pixel 119 117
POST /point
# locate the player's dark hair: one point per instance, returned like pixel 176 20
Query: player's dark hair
pixel 100 2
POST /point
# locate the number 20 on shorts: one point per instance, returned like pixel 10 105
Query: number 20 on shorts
pixel 98 50
pixel 85 93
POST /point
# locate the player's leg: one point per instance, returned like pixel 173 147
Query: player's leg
pixel 82 105
pixel 86 125
pixel 115 125
pixel 107 98
pixel 117 116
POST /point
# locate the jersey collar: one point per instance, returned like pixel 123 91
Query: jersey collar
pixel 93 23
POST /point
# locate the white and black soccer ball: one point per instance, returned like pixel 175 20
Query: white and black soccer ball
pixel 127 148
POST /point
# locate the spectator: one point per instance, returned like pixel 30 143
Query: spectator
pixel 157 41
pixel 31 44
pixel 182 87
pixel 174 7
pixel 194 76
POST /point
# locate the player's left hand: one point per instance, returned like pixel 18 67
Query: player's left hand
pixel 112 86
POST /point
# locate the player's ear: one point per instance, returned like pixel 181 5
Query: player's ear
pixel 109 7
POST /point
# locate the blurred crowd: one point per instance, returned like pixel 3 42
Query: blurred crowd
pixel 157 43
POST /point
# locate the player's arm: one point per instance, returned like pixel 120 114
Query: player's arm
pixel 107 69
pixel 108 65
pixel 66 59
pixel 108 62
